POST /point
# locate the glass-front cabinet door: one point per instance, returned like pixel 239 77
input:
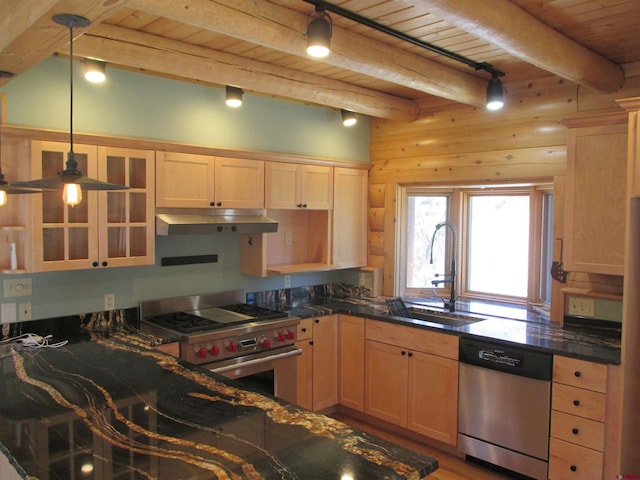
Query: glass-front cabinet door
pixel 64 236
pixel 107 228
pixel 126 227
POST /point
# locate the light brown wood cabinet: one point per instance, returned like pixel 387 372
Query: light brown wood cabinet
pixel 317 378
pixel 186 180
pixel 108 228
pixel 578 412
pixel 411 379
pixel 595 205
pixel 350 218
pixel 351 362
pixel 293 186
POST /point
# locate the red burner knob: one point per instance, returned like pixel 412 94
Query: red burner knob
pixel 232 347
pixel 214 350
pixel 266 343
pixel 291 334
pixel 201 352
pixel 281 337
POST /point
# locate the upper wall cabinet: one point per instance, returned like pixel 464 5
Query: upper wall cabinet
pixel 596 194
pixel 350 217
pixel 291 186
pixel 108 228
pixel 185 180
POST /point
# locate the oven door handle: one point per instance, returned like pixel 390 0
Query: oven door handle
pixel 257 361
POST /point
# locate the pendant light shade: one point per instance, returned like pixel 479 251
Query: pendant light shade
pixel 234 96
pixel 495 94
pixel 319 30
pixel 71 180
pixel 95 71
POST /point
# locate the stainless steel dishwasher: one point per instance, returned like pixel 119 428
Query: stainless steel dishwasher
pixel 505 405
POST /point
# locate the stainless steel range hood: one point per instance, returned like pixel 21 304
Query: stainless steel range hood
pixel 197 222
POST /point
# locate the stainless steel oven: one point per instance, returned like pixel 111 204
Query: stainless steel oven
pixel 251 344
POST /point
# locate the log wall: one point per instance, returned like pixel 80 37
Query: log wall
pixel 461 144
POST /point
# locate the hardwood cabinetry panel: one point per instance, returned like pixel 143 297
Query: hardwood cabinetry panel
pixel 578 430
pixel 304 381
pixel 595 197
pixel 239 183
pixel 350 218
pixel 568 461
pixel 351 362
pixel 580 373
pixel 305 327
pixel 292 186
pixel 578 401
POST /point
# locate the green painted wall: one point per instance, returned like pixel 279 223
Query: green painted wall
pixel 142 106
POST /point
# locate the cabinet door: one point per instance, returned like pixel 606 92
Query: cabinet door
pixel 282 185
pixel 184 180
pixel 350 218
pixel 126 217
pixel 595 202
pixel 351 362
pixel 316 187
pixel 239 183
pixel 64 237
pixel 325 362
pixel 304 382
pixel 433 397
pixel 386 376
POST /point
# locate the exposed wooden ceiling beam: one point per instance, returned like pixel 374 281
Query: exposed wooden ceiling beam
pixel 509 27
pixel 29 35
pixel 282 29
pixel 172 58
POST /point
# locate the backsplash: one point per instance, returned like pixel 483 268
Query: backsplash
pixel 308 295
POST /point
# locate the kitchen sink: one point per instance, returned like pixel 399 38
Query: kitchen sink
pixel 450 319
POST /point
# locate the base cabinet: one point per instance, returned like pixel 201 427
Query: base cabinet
pixel 411 379
pixel 317 381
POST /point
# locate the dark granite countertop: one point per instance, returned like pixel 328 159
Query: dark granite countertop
pixel 499 323
pixel 114 407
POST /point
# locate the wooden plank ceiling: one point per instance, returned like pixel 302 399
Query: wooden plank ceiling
pixel 260 46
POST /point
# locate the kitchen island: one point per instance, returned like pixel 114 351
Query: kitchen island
pixel 112 407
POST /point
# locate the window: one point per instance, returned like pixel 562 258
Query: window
pixel 504 241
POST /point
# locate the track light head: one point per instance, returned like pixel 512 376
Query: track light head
pixel 495 94
pixel 234 96
pixel 319 31
pixel 348 118
pixel 94 70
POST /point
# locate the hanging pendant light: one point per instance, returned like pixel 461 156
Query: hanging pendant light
pixel 71 180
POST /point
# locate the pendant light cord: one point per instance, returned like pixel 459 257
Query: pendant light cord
pixel 71 93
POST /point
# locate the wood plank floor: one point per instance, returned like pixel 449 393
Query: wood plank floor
pixel 451 467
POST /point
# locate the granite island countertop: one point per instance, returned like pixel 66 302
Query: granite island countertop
pixel 115 408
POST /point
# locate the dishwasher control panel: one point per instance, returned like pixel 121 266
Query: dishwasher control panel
pixel 500 357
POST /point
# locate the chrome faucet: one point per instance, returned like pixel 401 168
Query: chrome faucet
pixel 451 278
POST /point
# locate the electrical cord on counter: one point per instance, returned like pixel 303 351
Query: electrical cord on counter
pixel 35 341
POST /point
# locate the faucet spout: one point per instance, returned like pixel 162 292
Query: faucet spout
pixel 451 303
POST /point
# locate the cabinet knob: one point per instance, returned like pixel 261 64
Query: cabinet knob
pixel 104 264
pixel 304 329
pixel 317 320
pixel 575 431
pixel 219 204
pixel 403 353
pixel 304 205
pixel 299 205
pixel 577 373
pixel 576 403
pixel 573 468
pixel 311 342
pixel 212 204
pixel 411 354
pixel 95 264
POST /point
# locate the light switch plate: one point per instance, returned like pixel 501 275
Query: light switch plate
pixel 8 313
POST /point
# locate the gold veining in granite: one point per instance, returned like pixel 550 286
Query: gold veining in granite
pixel 317 424
pixel 97 421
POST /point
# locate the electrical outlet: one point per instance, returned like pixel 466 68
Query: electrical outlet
pixel 287 281
pixel 361 279
pixel 287 238
pixel 17 287
pixel 25 311
pixel 109 301
pixel 582 307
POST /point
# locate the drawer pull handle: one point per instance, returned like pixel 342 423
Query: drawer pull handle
pixel 576 403
pixel 573 468
pixel 577 373
pixel 575 431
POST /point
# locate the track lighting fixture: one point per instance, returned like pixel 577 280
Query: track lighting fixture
pixel 319 30
pixel 234 96
pixel 348 118
pixel 71 180
pixel 495 94
pixel 94 70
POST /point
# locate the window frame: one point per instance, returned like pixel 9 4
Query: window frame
pixel 458 211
